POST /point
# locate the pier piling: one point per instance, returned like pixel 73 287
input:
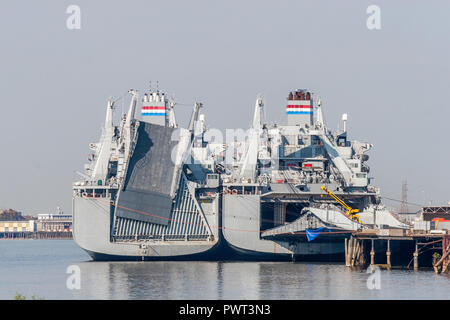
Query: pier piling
pixel 388 254
pixel 416 257
pixel 372 253
pixel 354 252
pixel 444 261
pixel 407 244
pixel 347 263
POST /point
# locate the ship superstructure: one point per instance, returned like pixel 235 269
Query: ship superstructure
pixel 153 190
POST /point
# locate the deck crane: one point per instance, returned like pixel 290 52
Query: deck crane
pixel 350 213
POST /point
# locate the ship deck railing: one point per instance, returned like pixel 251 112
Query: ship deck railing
pixel 171 237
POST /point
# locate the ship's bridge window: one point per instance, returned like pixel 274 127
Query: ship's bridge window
pixel 361 175
pixel 315 140
pixel 342 142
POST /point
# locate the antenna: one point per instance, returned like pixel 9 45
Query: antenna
pixel 344 119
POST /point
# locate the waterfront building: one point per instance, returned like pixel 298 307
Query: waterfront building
pixel 17 226
pixel 54 222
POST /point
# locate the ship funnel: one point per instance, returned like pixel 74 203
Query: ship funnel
pixel 299 108
pixel 154 108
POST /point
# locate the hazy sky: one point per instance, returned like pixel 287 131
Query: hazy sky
pixel 393 82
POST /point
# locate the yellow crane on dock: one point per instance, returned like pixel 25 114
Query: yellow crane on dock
pixel 350 213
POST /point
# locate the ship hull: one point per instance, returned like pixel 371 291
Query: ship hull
pixel 216 253
pixel 251 255
pixel 92 225
pixel 226 252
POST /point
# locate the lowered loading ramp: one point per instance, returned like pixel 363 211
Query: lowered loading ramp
pixel 150 175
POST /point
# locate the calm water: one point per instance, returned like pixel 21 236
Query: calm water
pixel 39 267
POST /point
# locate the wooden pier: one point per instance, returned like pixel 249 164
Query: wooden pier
pixel 364 246
pixel 36 235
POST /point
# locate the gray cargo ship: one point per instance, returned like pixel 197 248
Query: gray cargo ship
pixel 155 191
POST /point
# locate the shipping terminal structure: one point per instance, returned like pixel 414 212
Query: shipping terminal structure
pixel 155 191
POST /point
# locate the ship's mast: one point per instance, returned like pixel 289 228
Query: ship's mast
pixel 248 169
pixel 172 120
pixel 103 149
pixel 194 116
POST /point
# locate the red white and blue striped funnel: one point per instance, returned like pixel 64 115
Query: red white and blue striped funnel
pixel 299 107
pixel 153 110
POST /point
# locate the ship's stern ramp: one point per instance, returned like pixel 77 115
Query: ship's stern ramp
pixel 146 193
pixel 146 209
pixel 188 222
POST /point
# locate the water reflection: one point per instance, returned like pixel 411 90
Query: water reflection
pixel 248 280
pixel 39 267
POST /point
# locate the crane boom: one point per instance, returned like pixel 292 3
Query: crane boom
pixel 351 213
